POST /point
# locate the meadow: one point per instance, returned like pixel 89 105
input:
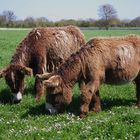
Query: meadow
pixel 118 120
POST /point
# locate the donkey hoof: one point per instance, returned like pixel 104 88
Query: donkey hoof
pixel 16 101
pixel 96 110
pixel 82 115
pixel 37 99
pixel 138 105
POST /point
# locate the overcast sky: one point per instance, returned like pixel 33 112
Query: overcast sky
pixel 69 9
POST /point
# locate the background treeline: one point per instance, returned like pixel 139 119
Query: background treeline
pixel 8 19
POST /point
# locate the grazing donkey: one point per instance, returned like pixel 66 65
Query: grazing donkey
pixel 44 49
pixel 102 60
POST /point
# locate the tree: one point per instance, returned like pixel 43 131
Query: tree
pixel 2 20
pixel 124 23
pixel 41 21
pixel 99 24
pixel 107 13
pixel 29 22
pixel 135 22
pixel 9 16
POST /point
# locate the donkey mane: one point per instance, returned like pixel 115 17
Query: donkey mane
pixel 75 65
pixel 22 50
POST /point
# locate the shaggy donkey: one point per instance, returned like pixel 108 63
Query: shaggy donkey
pixel 102 60
pixel 44 49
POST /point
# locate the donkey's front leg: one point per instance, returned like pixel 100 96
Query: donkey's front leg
pixel 87 93
pixel 39 88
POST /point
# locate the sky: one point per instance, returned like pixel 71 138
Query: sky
pixel 55 10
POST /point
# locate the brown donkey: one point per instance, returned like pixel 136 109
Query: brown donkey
pixel 102 60
pixel 44 49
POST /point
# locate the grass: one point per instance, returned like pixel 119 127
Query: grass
pixel 119 119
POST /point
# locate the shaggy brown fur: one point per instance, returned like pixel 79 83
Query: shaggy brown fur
pixel 102 60
pixel 44 49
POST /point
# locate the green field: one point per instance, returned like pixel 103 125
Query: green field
pixel 119 119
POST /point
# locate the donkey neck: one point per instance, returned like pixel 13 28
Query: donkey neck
pixel 70 76
pixel 21 55
pixel 73 69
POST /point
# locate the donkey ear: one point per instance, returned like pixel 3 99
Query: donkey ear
pixel 2 73
pixel 53 81
pixel 26 70
pixel 23 69
pixel 44 76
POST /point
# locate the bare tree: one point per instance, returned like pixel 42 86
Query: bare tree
pixel 9 16
pixel 107 13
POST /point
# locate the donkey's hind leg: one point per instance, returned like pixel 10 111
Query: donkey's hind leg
pixel 137 82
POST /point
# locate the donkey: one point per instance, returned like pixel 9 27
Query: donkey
pixel 44 49
pixel 102 60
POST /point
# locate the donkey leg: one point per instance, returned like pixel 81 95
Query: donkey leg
pixel 39 88
pixel 95 104
pixel 85 100
pixel 137 82
pixel 87 93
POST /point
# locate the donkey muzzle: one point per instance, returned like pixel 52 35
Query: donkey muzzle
pixel 17 97
pixel 51 110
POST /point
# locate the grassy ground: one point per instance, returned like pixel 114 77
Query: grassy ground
pixel 119 119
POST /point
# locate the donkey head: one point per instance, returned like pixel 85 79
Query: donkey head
pixel 58 94
pixel 14 76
